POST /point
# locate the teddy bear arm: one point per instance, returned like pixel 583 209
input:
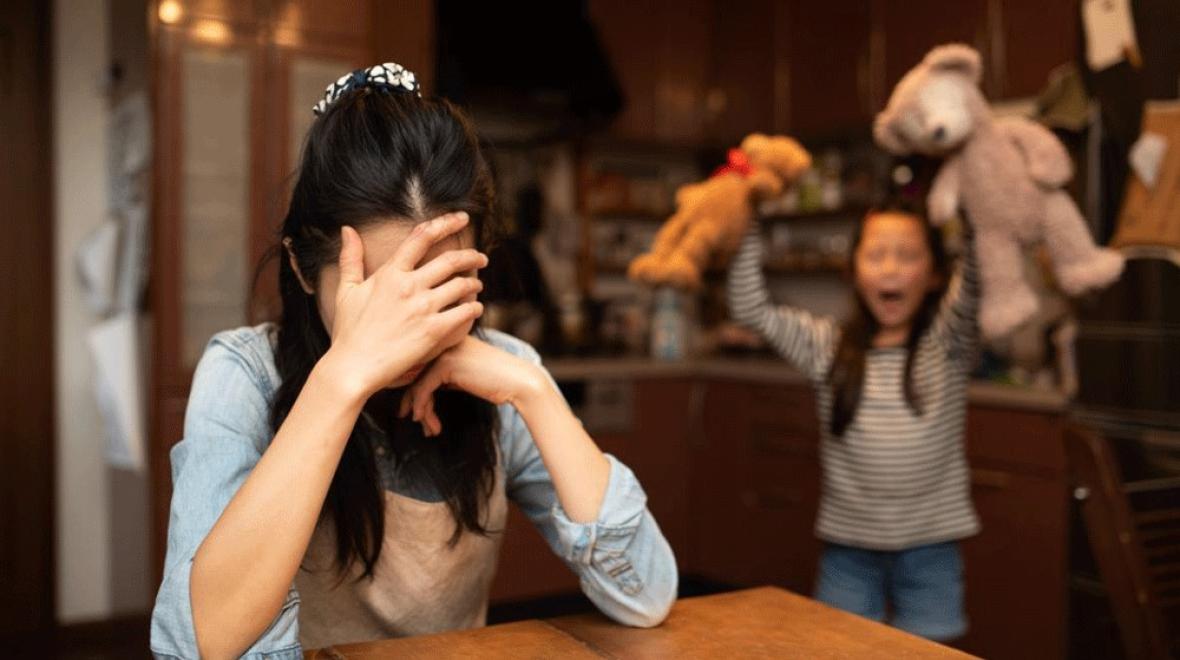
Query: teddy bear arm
pixel 703 241
pixel 670 235
pixel 1046 158
pixel 943 199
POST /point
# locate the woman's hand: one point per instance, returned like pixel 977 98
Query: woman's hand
pixel 399 316
pixel 579 469
pixel 474 367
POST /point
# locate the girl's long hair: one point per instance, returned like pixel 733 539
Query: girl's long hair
pixel 847 374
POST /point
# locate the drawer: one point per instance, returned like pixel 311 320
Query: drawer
pixel 1025 441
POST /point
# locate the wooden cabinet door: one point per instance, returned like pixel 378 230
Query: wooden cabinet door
pixel 755 487
pixel 829 73
pixel 686 41
pixel 667 417
pixel 720 522
pixel 661 52
pixel 1036 38
pixel 910 29
pixel 1015 568
pixel 741 92
pixel 627 31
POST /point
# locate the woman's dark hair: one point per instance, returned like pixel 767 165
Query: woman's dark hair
pixel 847 373
pixel 378 156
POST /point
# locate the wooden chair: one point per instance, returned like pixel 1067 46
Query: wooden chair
pixel 1134 533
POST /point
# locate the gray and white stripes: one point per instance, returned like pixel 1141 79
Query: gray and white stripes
pixel 894 480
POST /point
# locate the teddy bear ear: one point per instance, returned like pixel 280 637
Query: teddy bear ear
pixel 885 136
pixel 753 142
pixel 956 58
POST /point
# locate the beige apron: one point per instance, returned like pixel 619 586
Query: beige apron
pixel 419 585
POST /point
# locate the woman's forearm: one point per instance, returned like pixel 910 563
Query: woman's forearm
pixel 242 571
pixel 579 469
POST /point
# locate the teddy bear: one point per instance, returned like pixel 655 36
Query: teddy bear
pixel 1005 174
pixel 713 215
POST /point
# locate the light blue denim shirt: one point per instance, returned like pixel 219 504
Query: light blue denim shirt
pixel 624 563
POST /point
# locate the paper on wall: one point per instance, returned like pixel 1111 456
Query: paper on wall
pixel 1146 156
pixel 129 151
pixel 118 387
pixel 132 273
pixel 96 261
pixel 1110 33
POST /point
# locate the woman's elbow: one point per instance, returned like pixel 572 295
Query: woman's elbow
pixel 650 607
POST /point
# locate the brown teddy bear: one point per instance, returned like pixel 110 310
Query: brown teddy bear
pixel 713 215
pixel 1005 173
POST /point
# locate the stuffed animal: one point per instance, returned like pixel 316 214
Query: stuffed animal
pixel 713 215
pixel 1006 174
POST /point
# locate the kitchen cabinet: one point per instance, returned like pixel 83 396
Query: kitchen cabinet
pixel 741 87
pixel 661 53
pixel 829 67
pixel 910 29
pixel 1016 568
pixel 708 72
pixel 1032 39
pixel 755 486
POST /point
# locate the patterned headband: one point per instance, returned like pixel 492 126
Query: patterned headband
pixel 389 76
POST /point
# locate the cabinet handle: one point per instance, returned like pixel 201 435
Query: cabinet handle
pixel 989 478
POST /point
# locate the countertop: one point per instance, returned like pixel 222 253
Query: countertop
pixel 769 370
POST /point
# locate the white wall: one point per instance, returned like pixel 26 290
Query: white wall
pixel 80 54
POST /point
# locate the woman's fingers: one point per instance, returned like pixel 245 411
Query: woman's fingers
pixel 423 237
pixel 448 264
pixel 453 292
pixel 449 319
pixel 432 423
pixel 418 399
pixel 352 257
pixel 423 391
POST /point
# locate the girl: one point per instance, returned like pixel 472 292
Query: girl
pixel 892 391
pixel 305 509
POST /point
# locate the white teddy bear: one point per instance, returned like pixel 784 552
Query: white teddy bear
pixel 1006 174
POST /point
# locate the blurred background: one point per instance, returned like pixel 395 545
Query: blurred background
pixel 148 150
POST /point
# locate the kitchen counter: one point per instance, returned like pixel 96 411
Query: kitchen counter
pixel 763 370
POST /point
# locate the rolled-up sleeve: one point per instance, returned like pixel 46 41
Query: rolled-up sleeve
pixel 226 430
pixel 622 559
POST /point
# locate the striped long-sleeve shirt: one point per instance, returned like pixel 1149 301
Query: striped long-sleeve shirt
pixel 895 479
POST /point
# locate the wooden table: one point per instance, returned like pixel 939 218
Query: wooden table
pixel 766 622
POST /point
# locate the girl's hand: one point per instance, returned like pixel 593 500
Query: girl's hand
pixel 474 367
pixel 398 316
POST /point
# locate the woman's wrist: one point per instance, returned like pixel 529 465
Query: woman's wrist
pixel 340 381
pixel 532 390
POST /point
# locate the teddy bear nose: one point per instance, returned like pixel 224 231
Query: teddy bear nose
pixel 939 134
